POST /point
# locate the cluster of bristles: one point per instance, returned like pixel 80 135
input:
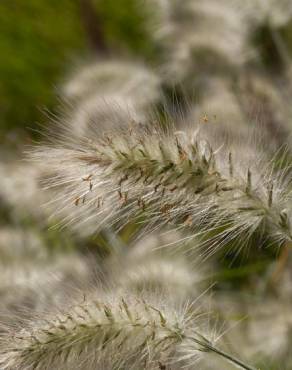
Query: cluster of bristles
pixel 165 179
pixel 213 196
pixel 120 333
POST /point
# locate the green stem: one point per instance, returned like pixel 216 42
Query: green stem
pixel 234 360
pixel 208 346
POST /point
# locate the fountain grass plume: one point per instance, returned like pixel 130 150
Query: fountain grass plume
pixel 109 76
pixel 26 287
pixel 161 179
pixel 112 333
pixel 20 190
pixel 145 267
pixel 202 38
pixel 108 92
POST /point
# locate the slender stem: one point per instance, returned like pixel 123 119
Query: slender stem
pixel 234 360
pixel 206 344
pixel 94 26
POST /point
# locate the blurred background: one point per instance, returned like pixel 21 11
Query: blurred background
pixel 226 63
pixel 41 43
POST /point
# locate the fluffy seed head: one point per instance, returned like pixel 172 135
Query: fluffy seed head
pixel 168 179
pixel 111 333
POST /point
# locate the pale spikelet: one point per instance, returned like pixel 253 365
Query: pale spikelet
pixel 170 179
pixel 206 37
pixel 148 267
pixel 113 333
pixel 219 108
pixel 203 36
pixel 277 12
pixel 257 107
pixel 105 112
pixel 265 103
pixel 19 244
pixel 31 285
pixel 128 78
pixel 19 189
pixel 154 274
pixel 108 93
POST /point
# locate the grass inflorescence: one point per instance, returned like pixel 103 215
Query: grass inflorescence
pixel 113 333
pixel 167 179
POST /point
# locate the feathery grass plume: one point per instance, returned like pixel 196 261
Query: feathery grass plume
pixel 113 333
pixel 19 244
pixel 108 76
pixel 215 40
pixel 30 272
pixel 104 112
pixel 255 110
pixel 263 101
pixel 145 266
pixel 107 93
pixel 277 13
pixel 269 21
pixel 32 286
pixel 202 36
pixel 170 179
pixel 20 190
pixel 219 107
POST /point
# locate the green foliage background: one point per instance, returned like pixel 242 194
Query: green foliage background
pixel 38 40
pixel 41 40
pixel 125 25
